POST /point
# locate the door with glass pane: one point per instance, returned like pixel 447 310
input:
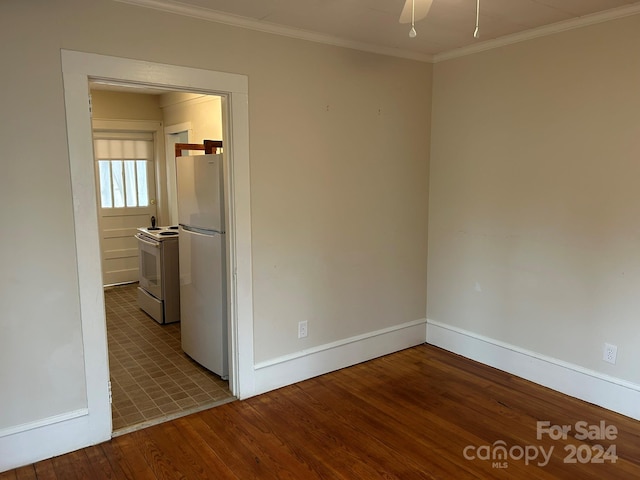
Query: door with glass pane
pixel 126 199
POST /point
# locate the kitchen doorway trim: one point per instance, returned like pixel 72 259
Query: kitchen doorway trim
pixel 78 68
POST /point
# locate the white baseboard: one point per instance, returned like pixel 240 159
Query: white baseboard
pixel 5 432
pixel 58 435
pixel 305 364
pixel 47 438
pixel 608 392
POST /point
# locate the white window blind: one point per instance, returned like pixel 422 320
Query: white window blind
pixel 123 162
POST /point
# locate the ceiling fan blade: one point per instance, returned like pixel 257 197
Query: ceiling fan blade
pixel 421 10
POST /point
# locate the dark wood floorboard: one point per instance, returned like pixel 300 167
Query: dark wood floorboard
pixel 409 415
pixel 45 470
pixel 26 473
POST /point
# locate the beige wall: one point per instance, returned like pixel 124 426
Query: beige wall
pixel 204 113
pixel 125 105
pixel 534 237
pixel 339 145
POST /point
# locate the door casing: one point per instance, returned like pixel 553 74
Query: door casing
pixel 178 133
pixel 78 69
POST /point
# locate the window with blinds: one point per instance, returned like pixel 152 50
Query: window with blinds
pixel 122 163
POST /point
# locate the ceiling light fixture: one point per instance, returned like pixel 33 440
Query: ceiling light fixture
pixel 418 9
pixel 414 10
pixel 476 32
pixel 412 32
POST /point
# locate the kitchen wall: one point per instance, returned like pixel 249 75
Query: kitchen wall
pixel 203 111
pixel 534 221
pixel 339 153
pixel 120 105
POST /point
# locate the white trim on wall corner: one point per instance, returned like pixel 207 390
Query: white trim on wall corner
pixel 606 391
pixel 322 359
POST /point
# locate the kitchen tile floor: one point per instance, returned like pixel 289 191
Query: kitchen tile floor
pixel 152 379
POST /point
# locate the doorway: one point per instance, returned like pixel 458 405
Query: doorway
pixel 152 379
pixel 78 69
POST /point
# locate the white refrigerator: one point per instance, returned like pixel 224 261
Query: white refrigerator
pixel 203 297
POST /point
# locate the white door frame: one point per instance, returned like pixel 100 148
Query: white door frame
pixel 77 69
pixel 170 166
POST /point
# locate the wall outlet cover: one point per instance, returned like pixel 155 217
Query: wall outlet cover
pixel 302 329
pixel 610 353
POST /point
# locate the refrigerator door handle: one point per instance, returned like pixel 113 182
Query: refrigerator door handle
pixel 200 231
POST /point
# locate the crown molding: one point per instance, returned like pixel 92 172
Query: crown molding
pixel 207 14
pixel 266 27
pixel 554 28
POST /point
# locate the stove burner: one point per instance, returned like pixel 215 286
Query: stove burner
pixel 176 227
pixel 153 228
pixel 168 233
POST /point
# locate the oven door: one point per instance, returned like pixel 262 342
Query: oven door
pixel 150 265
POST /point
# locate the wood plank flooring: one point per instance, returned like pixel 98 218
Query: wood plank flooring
pixel 422 413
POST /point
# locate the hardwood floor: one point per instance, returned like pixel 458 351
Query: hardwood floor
pixel 422 413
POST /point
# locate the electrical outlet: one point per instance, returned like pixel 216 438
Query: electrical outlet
pixel 302 329
pixel 610 353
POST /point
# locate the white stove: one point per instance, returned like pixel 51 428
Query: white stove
pixel 160 233
pixel 159 288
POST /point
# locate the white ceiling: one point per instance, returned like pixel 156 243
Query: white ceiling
pixel 373 24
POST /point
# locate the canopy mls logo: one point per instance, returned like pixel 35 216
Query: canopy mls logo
pixel 500 453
